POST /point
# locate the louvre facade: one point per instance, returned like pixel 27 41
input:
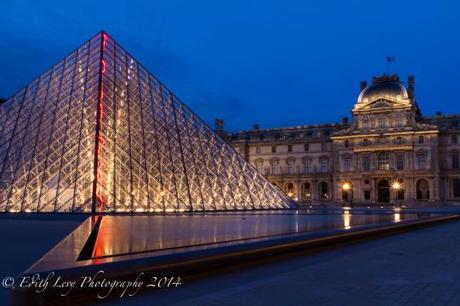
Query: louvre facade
pixel 98 133
pixel 388 154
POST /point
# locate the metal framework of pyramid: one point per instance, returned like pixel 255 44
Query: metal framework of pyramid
pixel 98 133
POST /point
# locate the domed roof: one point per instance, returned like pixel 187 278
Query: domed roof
pixel 385 87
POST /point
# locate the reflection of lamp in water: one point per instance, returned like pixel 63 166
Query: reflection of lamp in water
pixel 397 215
pixel 346 219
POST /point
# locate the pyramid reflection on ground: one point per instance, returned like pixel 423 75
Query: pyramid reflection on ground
pixel 97 132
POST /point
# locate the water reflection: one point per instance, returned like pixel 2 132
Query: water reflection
pixel 126 234
pixel 346 219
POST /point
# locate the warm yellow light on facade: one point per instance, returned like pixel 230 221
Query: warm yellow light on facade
pixel 346 186
pixel 396 185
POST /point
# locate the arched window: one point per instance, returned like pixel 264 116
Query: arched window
pixel 398 140
pixel 454 139
pixel 347 143
pixel 323 191
pixel 290 189
pixel 421 139
pixel 456 188
pixel 306 191
pixel 365 142
pixel 423 190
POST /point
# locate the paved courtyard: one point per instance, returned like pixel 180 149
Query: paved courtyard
pixel 421 267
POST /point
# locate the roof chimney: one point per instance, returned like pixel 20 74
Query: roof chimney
pixel 255 126
pixel 411 87
pixel 344 120
pixel 363 85
pixel 219 124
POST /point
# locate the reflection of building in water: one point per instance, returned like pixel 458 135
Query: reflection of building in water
pixel 388 153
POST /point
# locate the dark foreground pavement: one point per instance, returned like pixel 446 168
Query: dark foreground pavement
pixel 421 267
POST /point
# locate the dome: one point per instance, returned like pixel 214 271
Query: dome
pixel 385 87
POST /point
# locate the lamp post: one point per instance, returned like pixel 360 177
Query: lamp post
pixel 397 187
pixel 348 188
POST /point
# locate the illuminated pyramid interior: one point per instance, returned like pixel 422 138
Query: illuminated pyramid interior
pixel 98 133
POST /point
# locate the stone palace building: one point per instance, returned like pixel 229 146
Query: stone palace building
pixel 388 154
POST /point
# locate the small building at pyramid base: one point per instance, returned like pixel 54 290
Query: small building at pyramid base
pixel 98 133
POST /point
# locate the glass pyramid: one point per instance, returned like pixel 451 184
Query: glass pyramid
pixel 98 133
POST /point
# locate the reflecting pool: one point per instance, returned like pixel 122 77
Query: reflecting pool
pixel 122 235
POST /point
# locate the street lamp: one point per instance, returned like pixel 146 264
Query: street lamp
pixel 347 187
pixel 397 187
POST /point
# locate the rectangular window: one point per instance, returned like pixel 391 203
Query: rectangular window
pixel 306 147
pixel 274 168
pixel 455 162
pixel 289 148
pixel 366 163
pixel 307 166
pixel 367 195
pixel 258 150
pixel 324 165
pixel 383 161
pixel 400 161
pixel 290 167
pixel 273 149
pixel 421 161
pixel 347 164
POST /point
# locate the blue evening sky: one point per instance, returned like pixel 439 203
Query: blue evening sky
pixel 276 63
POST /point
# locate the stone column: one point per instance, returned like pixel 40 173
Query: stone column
pixel 314 190
pixel 374 191
pixel 298 190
